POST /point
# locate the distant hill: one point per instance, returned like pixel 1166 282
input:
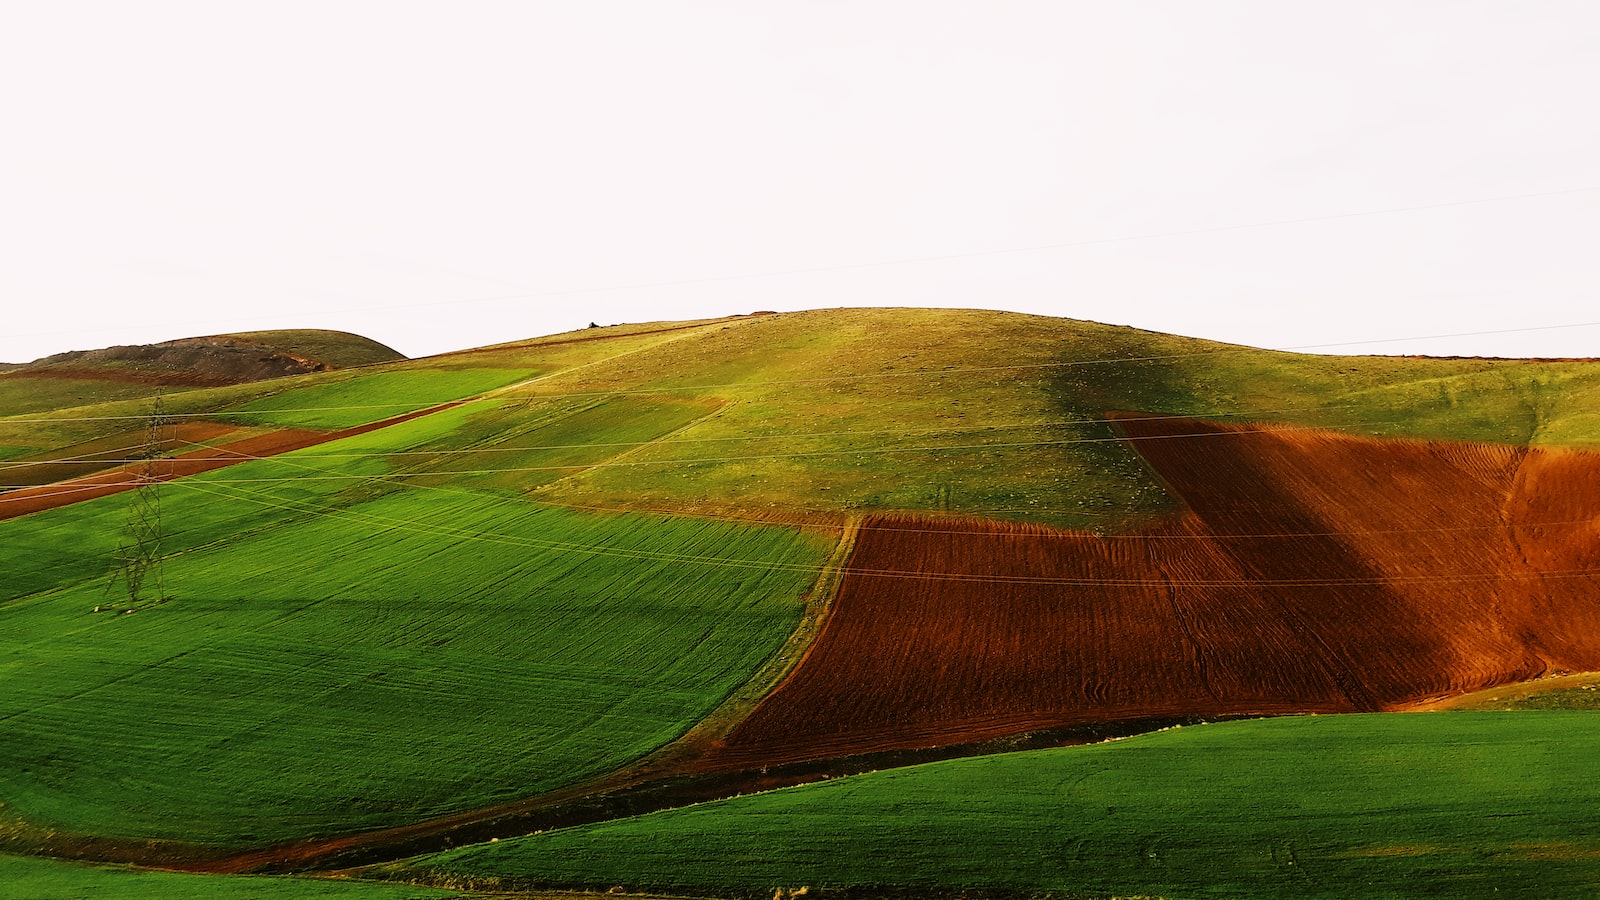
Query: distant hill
pixel 138 370
pixel 217 359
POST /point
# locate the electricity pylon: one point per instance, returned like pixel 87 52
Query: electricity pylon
pixel 137 564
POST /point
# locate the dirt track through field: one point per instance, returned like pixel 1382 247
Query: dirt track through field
pixel 1312 572
pixel 125 478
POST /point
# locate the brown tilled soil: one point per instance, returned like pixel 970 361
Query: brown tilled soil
pixel 104 453
pixel 1313 572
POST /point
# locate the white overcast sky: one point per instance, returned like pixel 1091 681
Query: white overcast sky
pixel 445 175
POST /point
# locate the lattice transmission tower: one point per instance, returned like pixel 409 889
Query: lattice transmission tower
pixel 137 565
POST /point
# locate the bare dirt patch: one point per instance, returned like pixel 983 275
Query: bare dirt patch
pixel 1311 572
pixel 78 460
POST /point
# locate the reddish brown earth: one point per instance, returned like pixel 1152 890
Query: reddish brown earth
pixel 97 455
pixel 1312 572
pixel 124 478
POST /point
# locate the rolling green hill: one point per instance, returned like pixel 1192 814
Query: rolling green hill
pixel 339 656
pixel 1423 805
pixel 26 878
pixel 613 537
pixel 836 411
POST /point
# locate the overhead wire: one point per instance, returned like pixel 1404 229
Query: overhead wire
pixel 411 525
pixel 387 523
pixel 326 475
pixel 788 436
pixel 872 451
pixel 856 451
pixel 875 527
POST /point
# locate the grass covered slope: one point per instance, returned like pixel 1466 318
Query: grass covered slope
pixel 368 397
pixel 1437 805
pixel 39 421
pixel 334 349
pixel 23 392
pixel 343 654
pixel 23 878
pixel 505 597
pixel 832 412
pixel 1003 415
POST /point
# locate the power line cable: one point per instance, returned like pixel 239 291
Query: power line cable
pixel 1253 415
pixel 868 527
pixel 324 474
pixel 876 451
pixel 411 525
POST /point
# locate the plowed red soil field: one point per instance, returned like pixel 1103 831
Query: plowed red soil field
pixel 1311 572
pixel 105 453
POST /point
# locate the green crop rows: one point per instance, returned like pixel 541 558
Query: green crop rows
pixel 341 655
pixel 1445 805
pixel 19 395
pixel 369 397
pixel 40 879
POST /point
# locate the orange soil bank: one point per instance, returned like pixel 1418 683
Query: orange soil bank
pixel 1312 572
pixel 31 500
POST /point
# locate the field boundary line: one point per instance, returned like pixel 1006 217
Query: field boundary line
pixel 637 448
pixel 496 392
pixel 721 722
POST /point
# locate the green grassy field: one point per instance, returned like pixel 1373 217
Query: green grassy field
pixel 22 395
pixel 1396 805
pixel 341 403
pixel 22 878
pixel 35 419
pixel 1000 414
pixel 430 617
pixel 343 654
pixel 500 445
